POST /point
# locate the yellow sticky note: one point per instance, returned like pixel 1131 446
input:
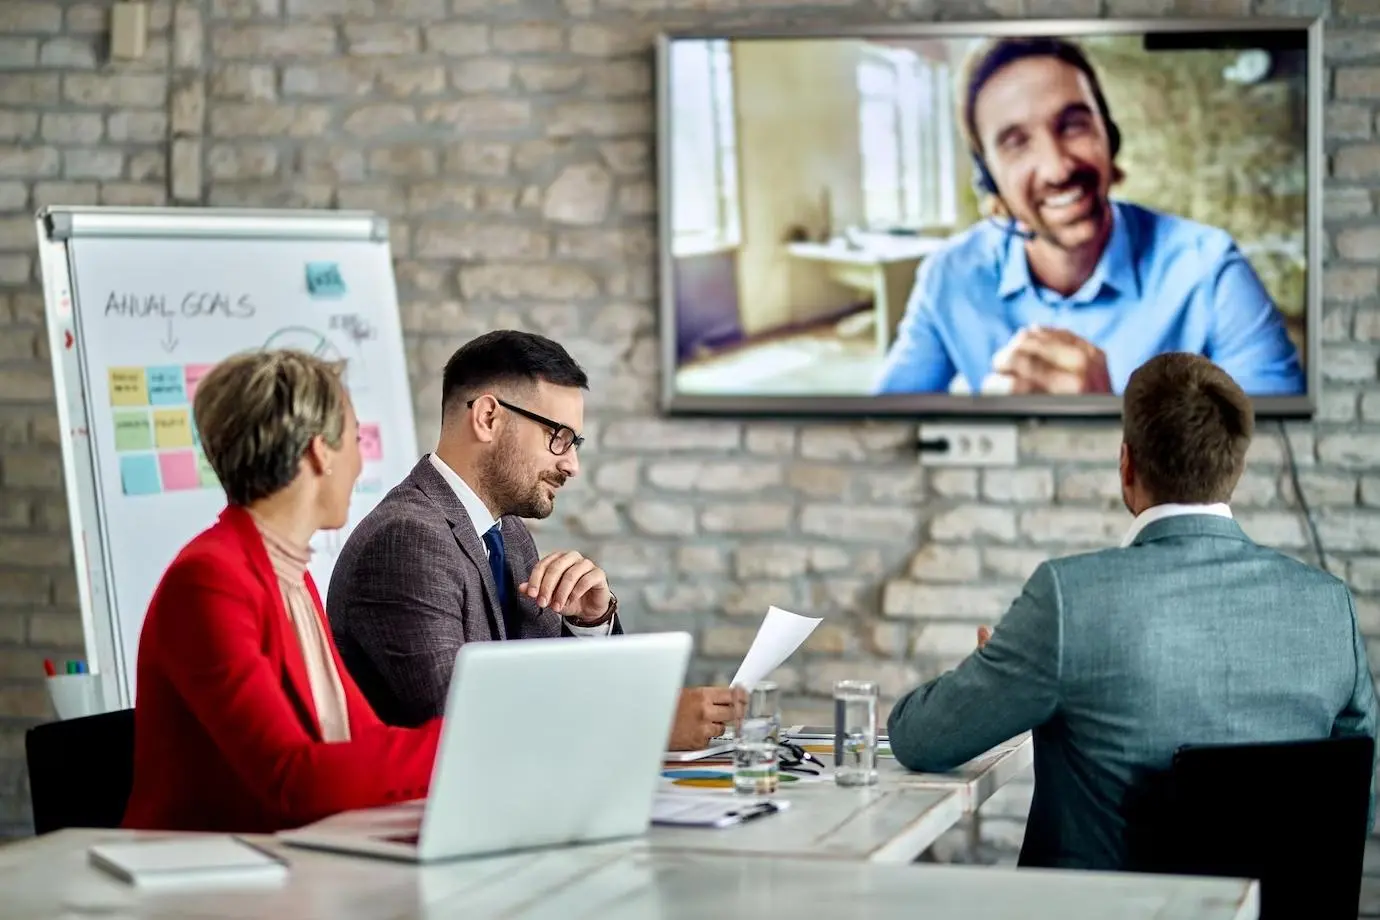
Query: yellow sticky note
pixel 172 428
pixel 129 386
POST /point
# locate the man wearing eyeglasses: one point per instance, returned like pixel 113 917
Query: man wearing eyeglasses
pixel 446 559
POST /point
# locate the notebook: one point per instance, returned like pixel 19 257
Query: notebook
pixel 190 861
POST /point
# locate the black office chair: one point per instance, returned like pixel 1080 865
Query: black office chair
pixel 1291 814
pixel 81 770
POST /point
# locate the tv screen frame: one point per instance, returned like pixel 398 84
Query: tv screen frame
pixel 917 406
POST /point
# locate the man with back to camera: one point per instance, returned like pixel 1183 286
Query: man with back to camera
pixel 1188 633
pixel 445 558
pixel 1062 290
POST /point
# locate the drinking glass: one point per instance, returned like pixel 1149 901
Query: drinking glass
pixel 755 768
pixel 764 704
pixel 855 732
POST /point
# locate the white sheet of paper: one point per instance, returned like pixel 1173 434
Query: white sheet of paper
pixel 780 634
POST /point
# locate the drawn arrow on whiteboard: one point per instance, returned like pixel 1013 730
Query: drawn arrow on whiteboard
pixel 169 341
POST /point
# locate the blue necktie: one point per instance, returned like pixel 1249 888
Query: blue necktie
pixel 493 539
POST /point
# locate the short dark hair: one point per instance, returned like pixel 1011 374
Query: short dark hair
pixel 1187 425
pixel 506 357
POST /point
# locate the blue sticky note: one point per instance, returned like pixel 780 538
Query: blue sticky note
pixel 139 474
pixel 324 280
pixel 167 386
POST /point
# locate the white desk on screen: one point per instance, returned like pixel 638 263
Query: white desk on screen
pixel 50 877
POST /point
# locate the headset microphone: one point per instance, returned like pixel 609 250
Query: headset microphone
pixel 983 183
pixel 1014 229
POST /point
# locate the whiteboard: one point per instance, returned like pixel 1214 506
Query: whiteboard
pixel 140 303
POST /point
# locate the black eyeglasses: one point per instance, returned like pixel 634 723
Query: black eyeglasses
pixel 563 437
pixel 793 758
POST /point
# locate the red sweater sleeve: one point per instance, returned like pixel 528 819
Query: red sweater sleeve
pixel 210 637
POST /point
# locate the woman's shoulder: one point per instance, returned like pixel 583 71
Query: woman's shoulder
pixel 211 593
pixel 215 560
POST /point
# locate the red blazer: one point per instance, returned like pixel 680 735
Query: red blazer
pixel 225 730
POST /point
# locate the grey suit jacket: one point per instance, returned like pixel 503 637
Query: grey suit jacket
pixel 1193 634
pixel 413 584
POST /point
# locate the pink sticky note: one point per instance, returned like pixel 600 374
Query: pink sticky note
pixel 194 374
pixel 178 469
pixel 370 442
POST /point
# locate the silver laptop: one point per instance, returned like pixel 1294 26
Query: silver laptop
pixel 545 742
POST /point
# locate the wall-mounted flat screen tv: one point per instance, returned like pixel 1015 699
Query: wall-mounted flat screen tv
pixel 987 218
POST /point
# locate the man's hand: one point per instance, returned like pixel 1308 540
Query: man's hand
pixel 569 584
pixel 984 633
pixel 702 713
pixel 1039 359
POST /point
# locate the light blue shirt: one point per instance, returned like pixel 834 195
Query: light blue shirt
pixel 1164 283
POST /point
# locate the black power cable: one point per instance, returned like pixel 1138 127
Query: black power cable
pixel 1301 499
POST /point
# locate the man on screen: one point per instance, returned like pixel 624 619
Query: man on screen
pixel 1062 290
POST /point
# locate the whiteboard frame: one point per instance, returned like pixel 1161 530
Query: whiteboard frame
pixel 56 227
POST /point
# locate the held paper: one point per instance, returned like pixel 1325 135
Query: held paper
pixel 780 634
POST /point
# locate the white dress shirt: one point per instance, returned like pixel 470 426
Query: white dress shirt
pixel 1167 510
pixel 483 519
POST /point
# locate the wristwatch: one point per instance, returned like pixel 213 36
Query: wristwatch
pixel 608 614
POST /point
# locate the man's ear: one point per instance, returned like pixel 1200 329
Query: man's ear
pixel 484 418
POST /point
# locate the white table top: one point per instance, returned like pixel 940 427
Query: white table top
pixel 885 823
pixel 50 876
pixel 977 779
pixel 680 886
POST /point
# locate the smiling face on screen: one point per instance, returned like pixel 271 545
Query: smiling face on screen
pixel 1047 148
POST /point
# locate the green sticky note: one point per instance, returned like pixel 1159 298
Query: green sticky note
pixel 133 430
pixel 205 473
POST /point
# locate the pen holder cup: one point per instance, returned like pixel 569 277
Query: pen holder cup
pixel 75 695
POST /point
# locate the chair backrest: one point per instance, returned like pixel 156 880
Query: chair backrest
pixel 1291 814
pixel 81 770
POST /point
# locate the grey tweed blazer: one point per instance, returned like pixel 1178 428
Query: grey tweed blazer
pixel 412 584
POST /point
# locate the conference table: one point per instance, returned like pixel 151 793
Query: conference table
pixel 834 852
pixel 49 877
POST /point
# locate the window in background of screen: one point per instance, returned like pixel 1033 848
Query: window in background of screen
pixel 907 140
pixel 704 185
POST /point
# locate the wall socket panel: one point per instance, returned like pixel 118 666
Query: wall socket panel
pixel 980 444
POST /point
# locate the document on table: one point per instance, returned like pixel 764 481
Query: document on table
pixel 703 811
pixel 780 634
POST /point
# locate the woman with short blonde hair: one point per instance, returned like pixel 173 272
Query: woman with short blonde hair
pixel 246 720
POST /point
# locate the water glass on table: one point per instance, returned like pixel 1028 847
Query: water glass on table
pixel 755 768
pixel 855 732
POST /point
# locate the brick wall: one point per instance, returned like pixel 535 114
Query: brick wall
pixel 511 143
